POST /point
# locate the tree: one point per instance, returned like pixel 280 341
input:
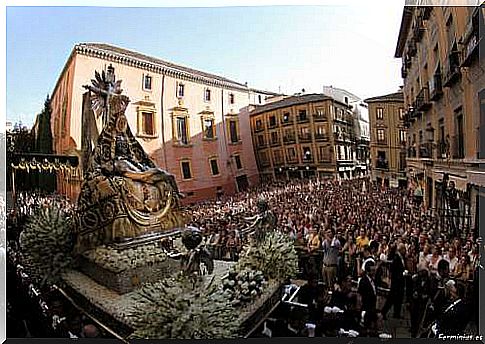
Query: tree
pixel 44 137
pixel 43 144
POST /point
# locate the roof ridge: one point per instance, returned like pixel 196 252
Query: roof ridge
pixel 155 60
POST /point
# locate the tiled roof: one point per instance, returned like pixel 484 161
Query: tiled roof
pixel 393 97
pixel 290 101
pixel 107 48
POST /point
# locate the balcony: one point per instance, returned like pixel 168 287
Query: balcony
pixel 287 122
pixel 412 47
pixel 422 100
pixel 435 86
pixel 382 165
pixel 321 137
pixel 305 137
pixel 426 150
pixel 307 159
pixel 340 137
pixel 412 152
pixel 303 118
pixel 288 140
pixel 419 28
pixel 275 143
pixel 265 163
pixel 404 72
pixel 452 70
pixel 442 150
pixel 471 39
pixel 259 128
pixel 272 125
pixel 319 117
pixel 426 12
pixel 458 145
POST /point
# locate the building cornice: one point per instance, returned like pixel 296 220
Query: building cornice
pixel 159 68
pixel 407 16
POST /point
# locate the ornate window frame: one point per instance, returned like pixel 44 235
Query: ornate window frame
pixel 146 107
pixel 216 159
pixel 208 115
pixel 179 112
pixel 229 119
pixel 186 160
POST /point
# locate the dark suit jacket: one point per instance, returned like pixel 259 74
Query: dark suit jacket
pixel 368 294
pixel 397 270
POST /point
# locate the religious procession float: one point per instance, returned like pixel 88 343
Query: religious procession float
pixel 126 257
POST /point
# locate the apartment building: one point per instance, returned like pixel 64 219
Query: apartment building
pixel 388 139
pixel 443 88
pixel 191 123
pixel 303 136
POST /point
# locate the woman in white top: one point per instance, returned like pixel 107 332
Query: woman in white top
pixel 434 259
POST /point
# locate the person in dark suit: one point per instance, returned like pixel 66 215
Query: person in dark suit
pixel 396 294
pixel 367 289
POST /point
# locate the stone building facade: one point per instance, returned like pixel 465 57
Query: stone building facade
pixel 304 136
pixel 444 86
pixel 388 139
pixel 191 123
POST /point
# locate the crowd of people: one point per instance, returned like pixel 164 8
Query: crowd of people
pixel 356 241
pixel 47 314
pixel 355 230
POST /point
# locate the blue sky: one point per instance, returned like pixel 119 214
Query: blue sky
pixel 275 48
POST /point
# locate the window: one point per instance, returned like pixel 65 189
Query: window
pixel 261 140
pixel 286 117
pixel 146 119
pixel 380 113
pixel 272 121
pixel 259 99
pixel 346 100
pixel 208 127
pixel 182 134
pixel 233 131
pixel 186 170
pixel 180 90
pixel 214 166
pixel 207 95
pixel 460 143
pixel 289 135
pixel 320 112
pixel 263 158
pixel 402 136
pixel 302 115
pixel 381 156
pixel 278 158
pixel 291 154
pixel 307 154
pixel 380 135
pixel 231 98
pixel 147 82
pixel 259 124
pixel 147 123
pixel 323 153
pixel 237 159
pixel 274 137
pixel 401 114
pixel 321 131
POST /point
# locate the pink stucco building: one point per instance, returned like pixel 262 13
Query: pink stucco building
pixel 192 123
